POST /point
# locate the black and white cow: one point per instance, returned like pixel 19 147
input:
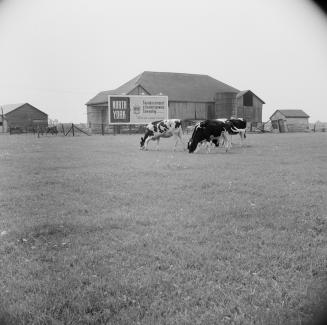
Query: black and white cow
pixel 208 132
pixel 162 129
pixel 235 126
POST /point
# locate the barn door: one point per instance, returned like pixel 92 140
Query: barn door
pixel 281 125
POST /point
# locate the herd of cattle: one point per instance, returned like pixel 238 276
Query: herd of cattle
pixel 206 133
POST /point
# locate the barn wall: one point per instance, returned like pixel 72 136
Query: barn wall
pixel 187 110
pixel 249 113
pixel 297 124
pixel 26 117
pixel 225 104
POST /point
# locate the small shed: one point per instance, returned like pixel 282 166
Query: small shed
pixel 22 118
pixel 290 120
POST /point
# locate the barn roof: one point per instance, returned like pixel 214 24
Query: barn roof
pixel 243 92
pixel 177 86
pixel 291 113
pixel 10 107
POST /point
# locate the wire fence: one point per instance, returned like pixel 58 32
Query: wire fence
pixel 72 129
pixel 64 129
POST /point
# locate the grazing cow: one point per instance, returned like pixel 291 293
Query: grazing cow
pixel 208 132
pixel 235 126
pixel 162 129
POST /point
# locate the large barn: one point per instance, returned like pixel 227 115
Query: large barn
pixel 22 117
pixel 190 97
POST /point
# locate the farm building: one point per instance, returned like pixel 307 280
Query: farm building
pixel 290 120
pixel 22 117
pixel 190 97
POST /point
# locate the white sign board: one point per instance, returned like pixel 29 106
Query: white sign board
pixel 135 109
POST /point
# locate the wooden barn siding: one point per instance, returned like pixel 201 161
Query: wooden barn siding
pixel 250 113
pixel 188 110
pixel 225 104
pixel 24 116
pixel 297 124
pixel 96 117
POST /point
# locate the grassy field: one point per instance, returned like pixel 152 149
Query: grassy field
pixel 95 231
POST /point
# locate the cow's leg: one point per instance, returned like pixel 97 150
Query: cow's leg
pixel 146 143
pixel 226 140
pixel 242 133
pixel 158 140
pixel 177 139
pixel 231 140
pixel 208 145
pixel 180 137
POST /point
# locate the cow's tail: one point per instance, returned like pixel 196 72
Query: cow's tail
pixel 236 130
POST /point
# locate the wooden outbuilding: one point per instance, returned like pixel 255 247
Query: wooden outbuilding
pixel 190 97
pixel 290 120
pixel 22 118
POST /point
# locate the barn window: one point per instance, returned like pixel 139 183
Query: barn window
pixel 248 99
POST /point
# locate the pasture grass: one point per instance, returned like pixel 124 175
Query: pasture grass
pixel 95 231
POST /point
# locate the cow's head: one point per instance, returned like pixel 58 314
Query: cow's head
pixel 193 142
pixel 148 133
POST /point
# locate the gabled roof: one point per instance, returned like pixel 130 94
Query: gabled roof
pixel 177 86
pixel 291 113
pixel 10 107
pixel 243 92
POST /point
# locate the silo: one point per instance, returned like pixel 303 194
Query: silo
pixel 225 104
pixel 97 118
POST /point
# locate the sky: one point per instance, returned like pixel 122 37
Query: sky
pixel 56 55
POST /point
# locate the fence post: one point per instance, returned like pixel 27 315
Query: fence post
pixel 73 129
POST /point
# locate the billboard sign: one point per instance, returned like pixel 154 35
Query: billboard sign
pixel 135 109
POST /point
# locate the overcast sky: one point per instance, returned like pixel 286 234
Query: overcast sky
pixel 56 55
